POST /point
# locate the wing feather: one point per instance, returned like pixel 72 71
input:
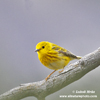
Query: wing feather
pixel 69 54
pixel 64 52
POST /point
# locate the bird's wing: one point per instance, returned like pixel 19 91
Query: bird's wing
pixel 57 48
pixel 64 51
pixel 68 53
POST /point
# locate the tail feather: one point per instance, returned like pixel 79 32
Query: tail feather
pixel 79 57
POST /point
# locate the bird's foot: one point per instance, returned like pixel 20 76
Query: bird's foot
pixel 47 77
pixel 61 71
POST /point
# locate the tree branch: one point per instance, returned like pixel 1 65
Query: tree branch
pixel 44 88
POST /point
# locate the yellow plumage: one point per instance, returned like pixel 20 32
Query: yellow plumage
pixel 53 56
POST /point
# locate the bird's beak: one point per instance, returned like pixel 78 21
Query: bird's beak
pixel 37 50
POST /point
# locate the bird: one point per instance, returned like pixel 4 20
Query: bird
pixel 53 56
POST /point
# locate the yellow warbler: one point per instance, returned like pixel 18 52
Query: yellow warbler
pixel 53 56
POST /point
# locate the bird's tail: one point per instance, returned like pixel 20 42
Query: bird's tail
pixel 79 57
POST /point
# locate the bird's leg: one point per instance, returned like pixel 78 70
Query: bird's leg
pixel 61 70
pixel 49 75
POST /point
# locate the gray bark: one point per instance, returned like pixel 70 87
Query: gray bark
pixel 44 88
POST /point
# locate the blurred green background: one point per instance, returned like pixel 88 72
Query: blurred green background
pixel 72 24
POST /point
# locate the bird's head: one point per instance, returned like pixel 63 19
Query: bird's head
pixel 43 47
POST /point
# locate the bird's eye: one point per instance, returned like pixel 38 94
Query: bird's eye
pixel 42 46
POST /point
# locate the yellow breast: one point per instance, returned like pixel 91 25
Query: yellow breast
pixel 53 61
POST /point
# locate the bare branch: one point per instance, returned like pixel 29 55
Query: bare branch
pixel 44 88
